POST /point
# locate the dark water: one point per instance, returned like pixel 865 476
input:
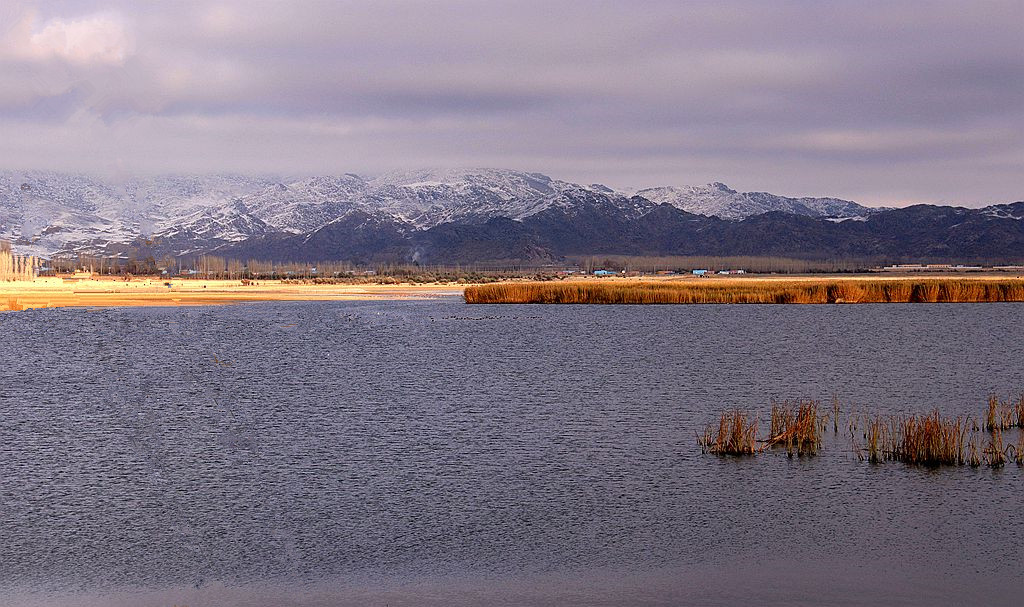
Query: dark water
pixel 434 453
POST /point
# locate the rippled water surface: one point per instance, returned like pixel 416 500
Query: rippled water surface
pixel 409 453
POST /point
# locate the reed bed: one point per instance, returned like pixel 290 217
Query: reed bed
pixel 995 454
pixel 736 435
pixel 876 438
pixel 797 427
pixel 1018 450
pixel 973 459
pixel 1000 415
pixel 933 440
pixel 929 440
pixel 707 291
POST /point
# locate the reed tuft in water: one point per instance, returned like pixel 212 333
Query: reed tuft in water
pixel 928 440
pixel 797 427
pixel 923 440
pixel 1000 415
pixel 995 454
pixel 1018 449
pixel 736 435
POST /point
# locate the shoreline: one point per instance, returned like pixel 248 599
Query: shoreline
pixel 108 292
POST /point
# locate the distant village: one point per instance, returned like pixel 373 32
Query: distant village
pixel 945 267
pixel 698 272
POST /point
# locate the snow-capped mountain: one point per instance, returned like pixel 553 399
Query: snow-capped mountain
pixel 439 214
pixel 428 198
pixel 304 205
pixel 718 200
pixel 43 212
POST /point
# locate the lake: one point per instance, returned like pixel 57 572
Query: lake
pixel 435 453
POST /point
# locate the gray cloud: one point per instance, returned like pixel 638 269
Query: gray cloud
pixel 876 101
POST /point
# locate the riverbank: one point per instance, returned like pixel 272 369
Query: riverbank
pixel 110 292
pixel 802 290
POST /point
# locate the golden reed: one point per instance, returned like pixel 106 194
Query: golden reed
pixel 708 291
pixel 929 440
pixel 798 427
pixel 736 435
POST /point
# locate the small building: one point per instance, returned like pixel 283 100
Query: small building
pixel 700 272
pixel 604 273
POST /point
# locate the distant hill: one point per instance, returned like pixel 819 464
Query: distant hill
pixel 475 215
pixel 718 200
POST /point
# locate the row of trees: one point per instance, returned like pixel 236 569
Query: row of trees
pixel 109 265
pixel 739 262
pixel 213 266
pixel 210 266
pixel 217 267
pixel 16 267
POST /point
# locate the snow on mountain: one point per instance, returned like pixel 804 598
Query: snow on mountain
pixel 44 213
pixel 719 200
pixel 305 205
pixel 40 212
pixel 158 203
pixel 428 198
pixel 208 227
pixel 1013 210
pixel 422 199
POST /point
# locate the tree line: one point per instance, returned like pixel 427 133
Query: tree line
pixel 16 267
pixel 224 268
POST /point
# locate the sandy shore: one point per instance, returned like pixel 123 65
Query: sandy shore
pixel 110 292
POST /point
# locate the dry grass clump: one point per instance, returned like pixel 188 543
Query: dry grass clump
pixel 1002 416
pixel 1018 450
pixel 973 459
pixel 995 454
pixel 797 427
pixel 926 440
pixel 706 291
pixel 932 440
pixel 876 439
pixel 929 440
pixel 736 435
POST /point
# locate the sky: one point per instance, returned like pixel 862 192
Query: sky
pixel 880 102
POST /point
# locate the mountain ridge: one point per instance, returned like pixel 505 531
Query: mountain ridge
pixel 465 215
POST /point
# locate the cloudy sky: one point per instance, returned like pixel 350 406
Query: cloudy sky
pixel 881 102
